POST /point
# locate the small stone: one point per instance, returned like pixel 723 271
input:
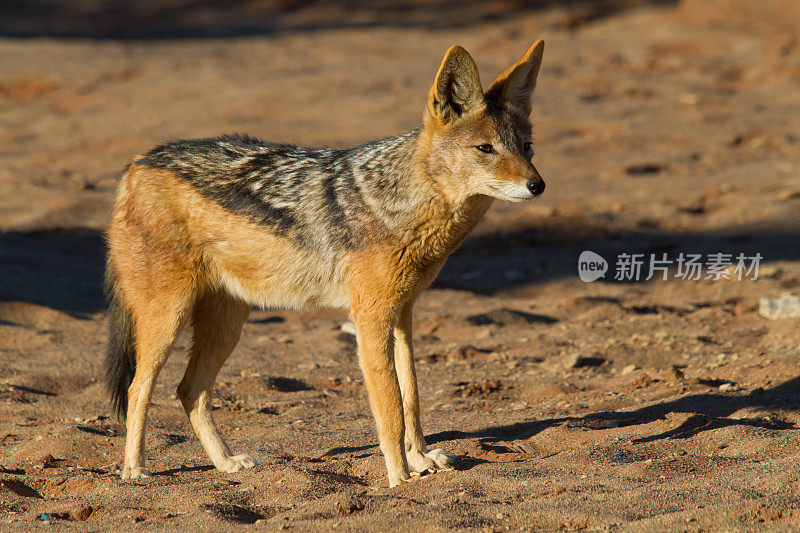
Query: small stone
pixel 675 374
pixel 644 169
pixel 462 353
pixel 82 514
pixel 349 505
pixel 628 369
pixel 784 306
pixel 485 333
pixel 576 360
pixel 643 381
pixel 726 386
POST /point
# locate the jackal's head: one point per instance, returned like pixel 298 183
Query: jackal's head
pixel 480 143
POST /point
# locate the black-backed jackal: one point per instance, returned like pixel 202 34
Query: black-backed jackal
pixel 204 229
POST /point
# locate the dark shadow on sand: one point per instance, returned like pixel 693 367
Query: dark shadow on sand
pixel 63 268
pixel 174 471
pixel 709 411
pixel 60 268
pixel 548 249
pixel 199 19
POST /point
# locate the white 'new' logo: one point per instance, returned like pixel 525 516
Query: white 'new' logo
pixel 591 266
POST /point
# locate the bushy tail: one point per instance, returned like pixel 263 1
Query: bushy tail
pixel 119 365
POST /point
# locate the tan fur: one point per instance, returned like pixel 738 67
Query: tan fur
pixel 178 257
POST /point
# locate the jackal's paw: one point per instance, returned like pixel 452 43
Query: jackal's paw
pixel 235 463
pixel 398 478
pixel 138 472
pixel 429 462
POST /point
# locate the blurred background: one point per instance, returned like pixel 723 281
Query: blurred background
pixel 653 117
pixel 150 19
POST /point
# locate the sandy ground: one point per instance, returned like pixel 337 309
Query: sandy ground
pixel 659 405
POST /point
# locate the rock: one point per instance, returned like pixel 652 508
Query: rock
pixel 628 369
pixel 349 505
pixel 232 513
pixel 579 361
pixel 479 388
pixel 675 374
pixel 82 514
pixel 784 306
pixel 510 317
pixel 462 353
pixel 644 169
pixel 643 381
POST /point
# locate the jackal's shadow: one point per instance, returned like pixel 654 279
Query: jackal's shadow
pixel 709 411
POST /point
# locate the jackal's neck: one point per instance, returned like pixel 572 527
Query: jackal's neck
pixel 409 200
pixel 383 172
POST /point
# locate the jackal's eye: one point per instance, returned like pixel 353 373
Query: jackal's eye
pixel 485 148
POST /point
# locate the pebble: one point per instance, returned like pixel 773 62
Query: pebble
pixel 784 306
pixel 82 514
pixel 349 505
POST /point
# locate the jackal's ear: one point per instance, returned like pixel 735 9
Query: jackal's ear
pixel 515 86
pixel 457 88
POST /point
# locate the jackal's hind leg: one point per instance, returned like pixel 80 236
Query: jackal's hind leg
pixel 157 326
pixel 217 321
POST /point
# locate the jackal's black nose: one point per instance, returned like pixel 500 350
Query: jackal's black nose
pixel 536 186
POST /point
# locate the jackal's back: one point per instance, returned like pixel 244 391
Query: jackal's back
pixel 323 199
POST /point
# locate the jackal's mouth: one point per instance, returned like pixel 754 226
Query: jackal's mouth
pixel 511 192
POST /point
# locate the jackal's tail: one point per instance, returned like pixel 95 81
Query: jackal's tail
pixel 119 365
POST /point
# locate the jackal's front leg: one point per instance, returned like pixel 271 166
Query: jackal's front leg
pixel 375 351
pixel 417 455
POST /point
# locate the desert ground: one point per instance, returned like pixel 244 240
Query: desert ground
pixel 660 127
